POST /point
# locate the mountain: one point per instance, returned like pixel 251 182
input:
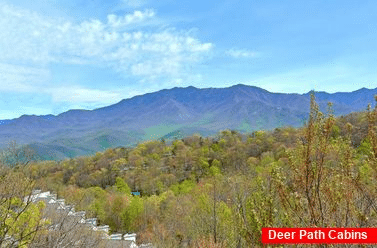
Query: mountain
pixel 170 113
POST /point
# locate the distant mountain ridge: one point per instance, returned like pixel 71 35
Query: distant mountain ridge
pixel 165 112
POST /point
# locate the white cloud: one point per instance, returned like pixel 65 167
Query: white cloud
pixel 241 53
pixel 23 35
pixel 84 95
pixel 16 78
pixel 115 21
pixel 123 43
pixel 164 53
pixel 119 43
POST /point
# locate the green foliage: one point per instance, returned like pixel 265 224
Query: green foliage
pixel 365 171
pixel 20 218
pixel 203 163
pixel 132 212
pixel 122 186
pixel 18 224
pixel 335 132
pixel 214 170
pixel 220 191
pixel 183 187
pixel 365 148
pixel 215 147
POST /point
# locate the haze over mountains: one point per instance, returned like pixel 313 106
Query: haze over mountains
pixel 170 113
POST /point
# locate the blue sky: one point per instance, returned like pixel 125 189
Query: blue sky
pixel 57 55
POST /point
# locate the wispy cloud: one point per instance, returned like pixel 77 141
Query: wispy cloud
pixel 85 95
pixel 119 43
pixel 17 78
pixel 241 53
pixel 329 77
pixel 115 21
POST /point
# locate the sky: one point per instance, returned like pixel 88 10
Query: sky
pixel 57 55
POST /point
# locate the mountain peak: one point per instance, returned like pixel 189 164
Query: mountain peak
pixel 248 88
pixel 205 111
pixel 243 86
pixel 184 88
pixel 362 90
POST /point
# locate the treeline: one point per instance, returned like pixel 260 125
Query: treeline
pixel 220 191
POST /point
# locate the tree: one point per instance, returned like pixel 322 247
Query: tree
pixel 122 186
pixel 66 230
pixel 15 155
pixel 325 184
pixel 132 212
pixel 372 134
pixel 20 218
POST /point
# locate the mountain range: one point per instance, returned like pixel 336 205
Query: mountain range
pixel 170 113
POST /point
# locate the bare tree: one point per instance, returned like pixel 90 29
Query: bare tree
pixel 15 155
pixel 66 228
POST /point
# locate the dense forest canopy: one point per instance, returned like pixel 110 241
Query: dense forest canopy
pixel 217 191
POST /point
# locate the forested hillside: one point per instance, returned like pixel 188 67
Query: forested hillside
pixel 169 113
pixel 220 191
